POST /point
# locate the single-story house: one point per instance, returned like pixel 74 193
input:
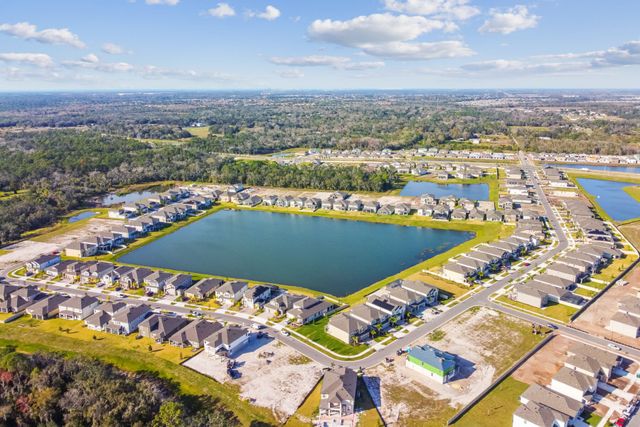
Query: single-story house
pixel 203 289
pixel 159 327
pixel 194 333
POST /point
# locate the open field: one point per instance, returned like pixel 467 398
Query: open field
pixel 633 191
pixel 126 353
pixel 559 312
pixel 26 250
pixel 632 232
pixel 487 343
pixel 272 375
pixel 199 131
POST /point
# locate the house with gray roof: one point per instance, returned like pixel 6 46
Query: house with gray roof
pixel 126 321
pixel 102 315
pixel 226 341
pixel 203 289
pixel 257 296
pixel 194 334
pixel 338 396
pixel 231 292
pixel 42 262
pixel 282 303
pixel 134 278
pixel 309 309
pixel 574 384
pixel 78 307
pixel 348 329
pixel 543 404
pixel 159 327
pixel 177 284
pixel 46 308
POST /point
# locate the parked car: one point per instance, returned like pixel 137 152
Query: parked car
pixel 257 326
pixel 285 333
pixel 551 326
pixel 621 422
pixel 614 347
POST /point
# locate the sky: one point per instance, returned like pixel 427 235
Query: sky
pixel 52 45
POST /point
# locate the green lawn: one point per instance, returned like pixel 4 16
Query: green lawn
pixel 127 353
pixel 4 252
pixel 304 415
pixel 315 331
pixel 556 311
pixel 497 408
pixel 633 191
pixel 200 131
pixel 615 268
pixel 585 292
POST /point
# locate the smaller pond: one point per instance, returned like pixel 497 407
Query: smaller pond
pixel 611 197
pixel 469 191
pixel 81 216
pixel 608 168
pixel 114 199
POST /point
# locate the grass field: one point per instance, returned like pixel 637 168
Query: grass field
pixel 633 191
pixel 127 353
pixel 632 232
pixel 199 131
pixel 305 414
pixel 559 312
pixel 497 408
pixel 615 268
pixel 315 331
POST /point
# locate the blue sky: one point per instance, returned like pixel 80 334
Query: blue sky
pixel 319 44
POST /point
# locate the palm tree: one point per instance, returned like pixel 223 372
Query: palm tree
pixel 393 320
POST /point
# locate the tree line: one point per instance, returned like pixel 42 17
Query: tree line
pixel 46 389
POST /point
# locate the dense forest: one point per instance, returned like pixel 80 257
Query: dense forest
pixel 46 389
pixel 60 170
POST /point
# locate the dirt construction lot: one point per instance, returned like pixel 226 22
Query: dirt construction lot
pixel 595 319
pixel 24 251
pixel 486 342
pixel 272 374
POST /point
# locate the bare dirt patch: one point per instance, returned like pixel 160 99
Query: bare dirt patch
pixel 545 362
pixel 24 251
pixel 272 375
pixel 595 319
pixel 91 227
pixel 487 343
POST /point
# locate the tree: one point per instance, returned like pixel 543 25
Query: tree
pixel 171 414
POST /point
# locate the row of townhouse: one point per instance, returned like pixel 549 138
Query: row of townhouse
pixel 183 198
pixel 588 158
pixel 383 310
pixel 124 319
pixel 584 218
pixel 452 208
pixel 15 299
pixel 409 153
pixel 556 178
pixel 489 258
pixel 563 275
pixel 441 171
pixel 134 228
pixel 575 385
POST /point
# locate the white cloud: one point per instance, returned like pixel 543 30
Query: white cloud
pixel 291 74
pixel 450 9
pixel 270 13
pixel 92 62
pixel 506 22
pixel 520 67
pixel 420 51
pixel 162 2
pixel 337 62
pixel 373 29
pixel 390 36
pixel 309 61
pixel 38 59
pixel 153 72
pixel 113 49
pixel 27 31
pixel 222 10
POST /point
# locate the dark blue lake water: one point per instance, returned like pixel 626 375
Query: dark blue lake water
pixel 616 202
pixel 81 216
pixel 330 255
pixel 114 199
pixel 627 169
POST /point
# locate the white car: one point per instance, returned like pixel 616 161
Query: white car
pixel 614 347
pixel 285 333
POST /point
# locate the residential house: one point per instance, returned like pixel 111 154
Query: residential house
pixel 58 269
pixel 14 299
pixel 110 278
pixel 102 315
pixel 46 308
pixel 428 199
pixel 441 212
pixel 459 214
pixel 574 384
pixel 348 329
pixel 126 321
pixel 159 327
pixel 177 284
pixel 402 209
pixel 458 273
pixel 433 363
pixel 257 296
pixel 135 278
pixel 42 263
pixel 626 321
pixel 313 203
pixel 95 271
pixel 282 303
pixel 226 341
pixel 156 281
pixel 309 309
pixel 543 407
pixel 78 307
pixel 194 333
pixel 203 289
pixel 386 210
pixel 338 396
pixel 80 250
pixel 370 207
pixel 231 292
